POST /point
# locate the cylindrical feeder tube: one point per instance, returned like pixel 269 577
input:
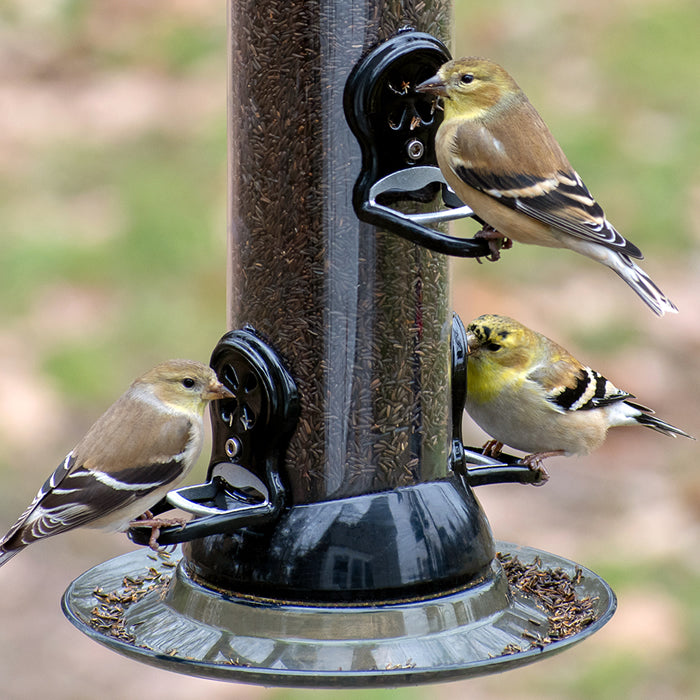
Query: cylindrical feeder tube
pixel 360 316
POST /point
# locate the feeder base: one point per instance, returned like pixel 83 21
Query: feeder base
pixel 181 626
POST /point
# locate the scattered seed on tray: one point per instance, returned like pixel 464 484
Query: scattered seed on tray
pixel 108 616
pixel 555 591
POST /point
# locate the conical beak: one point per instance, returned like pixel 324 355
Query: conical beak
pixel 433 86
pixel 216 390
pixel 472 342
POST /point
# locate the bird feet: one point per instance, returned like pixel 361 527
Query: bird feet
pixel 147 520
pixel 492 448
pixel 534 462
pixel 495 240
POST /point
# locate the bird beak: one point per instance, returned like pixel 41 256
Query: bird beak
pixel 216 390
pixel 433 86
pixel 471 343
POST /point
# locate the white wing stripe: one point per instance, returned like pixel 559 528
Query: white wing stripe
pixel 110 481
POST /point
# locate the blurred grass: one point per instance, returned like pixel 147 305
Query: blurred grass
pixel 162 256
pixel 112 207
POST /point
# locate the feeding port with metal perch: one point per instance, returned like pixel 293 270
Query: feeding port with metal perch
pixel 337 540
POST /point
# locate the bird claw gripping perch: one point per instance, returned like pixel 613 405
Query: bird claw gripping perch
pixel 476 468
pixel 396 127
pixel 250 433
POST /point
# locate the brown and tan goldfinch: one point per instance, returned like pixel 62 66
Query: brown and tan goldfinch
pixel 500 158
pixel 527 392
pixel 140 448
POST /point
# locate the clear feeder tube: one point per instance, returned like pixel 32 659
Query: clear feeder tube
pixel 361 317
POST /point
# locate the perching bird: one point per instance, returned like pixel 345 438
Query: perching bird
pixel 529 393
pixel 500 158
pixel 137 450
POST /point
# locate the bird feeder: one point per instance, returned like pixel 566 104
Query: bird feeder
pixel 337 540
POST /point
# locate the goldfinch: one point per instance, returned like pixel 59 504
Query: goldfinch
pixel 138 450
pixel 500 158
pixel 529 393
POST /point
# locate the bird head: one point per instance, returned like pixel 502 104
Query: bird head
pixel 184 385
pixel 470 86
pixel 498 341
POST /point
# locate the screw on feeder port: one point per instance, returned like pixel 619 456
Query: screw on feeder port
pixel 415 149
pixel 232 447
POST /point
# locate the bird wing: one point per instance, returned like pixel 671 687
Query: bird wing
pixel 525 169
pixel 100 477
pixel 571 386
pixel 84 496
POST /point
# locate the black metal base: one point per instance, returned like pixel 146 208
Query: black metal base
pixel 187 628
pixel 387 546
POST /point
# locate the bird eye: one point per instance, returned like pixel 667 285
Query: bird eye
pixel 188 382
pixel 493 347
pixel 467 78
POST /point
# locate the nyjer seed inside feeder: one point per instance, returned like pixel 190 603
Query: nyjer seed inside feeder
pixel 337 540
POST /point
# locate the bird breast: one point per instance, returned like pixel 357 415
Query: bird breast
pixel 524 420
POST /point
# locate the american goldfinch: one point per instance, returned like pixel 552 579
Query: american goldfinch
pixel 529 393
pixel 500 158
pixel 137 450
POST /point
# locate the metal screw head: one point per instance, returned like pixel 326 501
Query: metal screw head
pixel 415 149
pixel 232 447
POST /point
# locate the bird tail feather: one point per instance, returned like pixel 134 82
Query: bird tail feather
pixel 7 554
pixel 649 293
pixel 646 419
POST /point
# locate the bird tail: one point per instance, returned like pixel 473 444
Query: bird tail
pixel 7 554
pixel 649 293
pixel 646 418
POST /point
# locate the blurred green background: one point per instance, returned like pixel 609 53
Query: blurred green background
pixel 112 257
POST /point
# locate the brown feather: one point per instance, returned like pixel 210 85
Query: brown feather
pixel 152 438
pixel 557 373
pixel 528 146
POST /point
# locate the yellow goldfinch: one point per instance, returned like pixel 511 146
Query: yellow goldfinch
pixel 529 393
pixel 500 158
pixel 137 450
